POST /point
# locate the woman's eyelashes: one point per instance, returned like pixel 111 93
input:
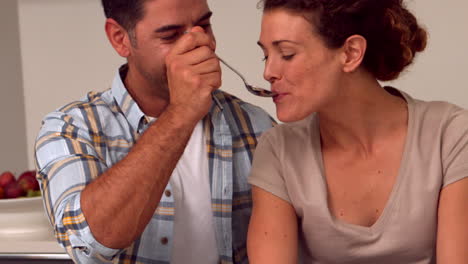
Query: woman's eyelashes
pixel 284 57
pixel 288 57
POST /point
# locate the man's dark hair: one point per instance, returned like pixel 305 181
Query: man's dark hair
pixel 126 12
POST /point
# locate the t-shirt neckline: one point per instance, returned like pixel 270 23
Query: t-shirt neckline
pixel 379 224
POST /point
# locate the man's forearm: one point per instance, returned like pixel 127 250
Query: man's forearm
pixel 120 203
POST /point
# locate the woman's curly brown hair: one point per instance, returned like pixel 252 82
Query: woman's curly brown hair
pixel 392 32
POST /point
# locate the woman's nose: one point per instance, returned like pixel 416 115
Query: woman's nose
pixel 271 72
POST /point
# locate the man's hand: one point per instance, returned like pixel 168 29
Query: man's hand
pixel 193 73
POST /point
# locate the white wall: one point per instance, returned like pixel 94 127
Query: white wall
pixel 439 73
pixel 13 132
pixel 65 53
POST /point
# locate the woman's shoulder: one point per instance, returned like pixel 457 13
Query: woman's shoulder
pixel 440 113
pixel 433 113
pixel 441 122
pixel 445 126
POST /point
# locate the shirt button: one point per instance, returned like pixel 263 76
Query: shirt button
pixel 168 193
pixel 84 250
pixel 164 240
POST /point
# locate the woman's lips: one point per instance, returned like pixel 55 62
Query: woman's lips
pixel 279 97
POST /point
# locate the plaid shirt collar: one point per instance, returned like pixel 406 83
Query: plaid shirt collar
pixel 124 100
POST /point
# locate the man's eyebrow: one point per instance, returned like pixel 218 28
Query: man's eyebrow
pixel 168 28
pixel 204 17
pixel 178 27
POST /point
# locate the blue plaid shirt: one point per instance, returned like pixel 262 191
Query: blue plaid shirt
pixel 78 142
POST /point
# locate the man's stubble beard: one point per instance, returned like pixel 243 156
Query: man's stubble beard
pixel 158 82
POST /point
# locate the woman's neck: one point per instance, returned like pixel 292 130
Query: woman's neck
pixel 363 116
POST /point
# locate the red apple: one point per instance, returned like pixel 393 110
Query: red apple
pixel 14 190
pixel 27 174
pixel 28 183
pixel 2 193
pixel 6 178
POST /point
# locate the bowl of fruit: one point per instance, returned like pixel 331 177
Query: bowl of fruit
pixel 22 214
pixel 25 186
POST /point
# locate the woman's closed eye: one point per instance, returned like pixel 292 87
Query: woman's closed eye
pixel 288 57
pixel 284 57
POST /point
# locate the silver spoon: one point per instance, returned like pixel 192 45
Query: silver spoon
pixel 253 89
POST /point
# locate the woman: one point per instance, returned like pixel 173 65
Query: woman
pixel 359 173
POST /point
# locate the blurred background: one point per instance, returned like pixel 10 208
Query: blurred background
pixel 55 51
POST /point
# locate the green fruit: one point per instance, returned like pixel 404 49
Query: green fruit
pixel 32 193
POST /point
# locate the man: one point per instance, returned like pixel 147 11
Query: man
pixel 152 171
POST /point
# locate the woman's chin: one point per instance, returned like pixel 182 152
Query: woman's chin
pixel 288 117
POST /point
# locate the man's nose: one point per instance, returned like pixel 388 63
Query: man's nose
pixel 201 30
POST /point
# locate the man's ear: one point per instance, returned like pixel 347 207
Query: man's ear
pixel 118 37
pixel 354 50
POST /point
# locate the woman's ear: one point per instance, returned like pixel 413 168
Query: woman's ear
pixel 118 37
pixel 354 50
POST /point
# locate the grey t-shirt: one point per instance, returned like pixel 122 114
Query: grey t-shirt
pixel 288 164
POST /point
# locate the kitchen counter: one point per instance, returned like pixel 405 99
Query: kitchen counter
pixel 38 252
pixel 26 235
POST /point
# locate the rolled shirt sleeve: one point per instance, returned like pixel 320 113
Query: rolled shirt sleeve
pixel 68 157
